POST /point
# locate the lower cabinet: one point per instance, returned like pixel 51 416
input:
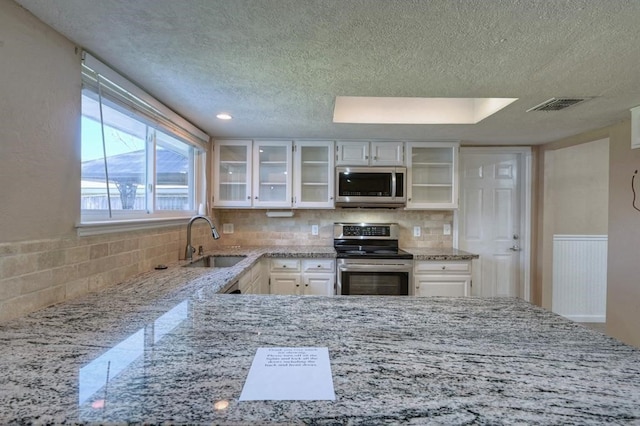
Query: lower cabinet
pixel 442 278
pixel 256 281
pixel 302 276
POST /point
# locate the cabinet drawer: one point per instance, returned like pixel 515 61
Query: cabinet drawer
pixel 318 265
pixel 453 267
pixel 281 265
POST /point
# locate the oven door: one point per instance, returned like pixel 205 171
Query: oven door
pixel 379 277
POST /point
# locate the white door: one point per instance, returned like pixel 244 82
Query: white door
pixel 490 221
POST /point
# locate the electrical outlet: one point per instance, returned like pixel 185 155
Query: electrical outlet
pixel 314 229
pixel 416 231
pixel 446 229
pixel 227 228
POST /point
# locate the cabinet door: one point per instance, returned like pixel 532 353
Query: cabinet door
pixel 272 173
pixel 284 284
pixel 318 284
pixel 432 181
pixel 259 279
pixel 352 153
pixel 232 174
pixel 244 284
pixel 445 285
pixel 314 174
pixel 387 153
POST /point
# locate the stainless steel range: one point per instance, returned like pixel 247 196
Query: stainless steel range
pixel 369 261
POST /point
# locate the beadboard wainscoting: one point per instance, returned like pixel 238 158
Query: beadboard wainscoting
pixel 580 277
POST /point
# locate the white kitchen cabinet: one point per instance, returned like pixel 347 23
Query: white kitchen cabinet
pixel 252 174
pixel 232 173
pixel 365 153
pixel 313 174
pixel 432 175
pixel 302 276
pixel 255 281
pixel 442 278
pixel 272 165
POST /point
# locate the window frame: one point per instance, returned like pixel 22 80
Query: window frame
pixel 118 93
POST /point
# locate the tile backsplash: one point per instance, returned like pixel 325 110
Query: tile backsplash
pixel 37 274
pixel 253 227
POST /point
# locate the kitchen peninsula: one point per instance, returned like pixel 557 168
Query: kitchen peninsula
pixel 166 347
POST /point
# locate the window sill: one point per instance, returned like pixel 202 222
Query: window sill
pixel 86 229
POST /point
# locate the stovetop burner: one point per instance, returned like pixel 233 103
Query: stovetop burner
pixel 371 241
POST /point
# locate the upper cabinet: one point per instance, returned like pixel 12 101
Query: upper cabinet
pixel 252 173
pixel 313 174
pixel 283 174
pixel 432 169
pixel 272 165
pixel 365 153
pixel 232 173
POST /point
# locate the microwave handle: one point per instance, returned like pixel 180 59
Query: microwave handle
pixel 393 184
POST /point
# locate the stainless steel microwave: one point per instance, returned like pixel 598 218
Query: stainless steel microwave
pixel 371 187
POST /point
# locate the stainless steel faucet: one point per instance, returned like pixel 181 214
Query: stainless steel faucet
pixel 190 249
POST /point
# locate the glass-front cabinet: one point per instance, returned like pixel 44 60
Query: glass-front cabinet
pixel 432 169
pixel 232 173
pixel 314 174
pixel 252 173
pixel 272 173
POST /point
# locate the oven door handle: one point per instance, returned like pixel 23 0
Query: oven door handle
pixel 374 267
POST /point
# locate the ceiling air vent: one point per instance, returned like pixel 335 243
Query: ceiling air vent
pixel 556 104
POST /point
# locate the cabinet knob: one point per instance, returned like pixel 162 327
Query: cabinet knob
pixel 248 197
pixel 284 266
pixel 256 197
pixel 319 266
pixel 444 267
pixel 408 199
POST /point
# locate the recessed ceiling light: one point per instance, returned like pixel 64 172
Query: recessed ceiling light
pixel 381 110
pixel 224 116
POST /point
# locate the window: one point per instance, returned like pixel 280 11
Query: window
pixel 138 161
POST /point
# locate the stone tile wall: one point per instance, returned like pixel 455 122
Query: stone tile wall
pixel 37 274
pixel 253 227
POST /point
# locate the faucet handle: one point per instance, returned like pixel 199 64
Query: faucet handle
pixel 200 250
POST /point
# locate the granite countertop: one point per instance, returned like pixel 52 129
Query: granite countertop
pixel 154 350
pixel 440 254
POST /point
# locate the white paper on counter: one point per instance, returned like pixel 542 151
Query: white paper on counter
pixel 289 374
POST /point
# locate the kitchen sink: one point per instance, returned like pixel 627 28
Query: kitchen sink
pixel 215 262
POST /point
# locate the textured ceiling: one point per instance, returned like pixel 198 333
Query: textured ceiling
pixel 277 65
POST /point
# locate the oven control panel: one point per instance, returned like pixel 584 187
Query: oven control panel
pixel 366 231
pixel 363 230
